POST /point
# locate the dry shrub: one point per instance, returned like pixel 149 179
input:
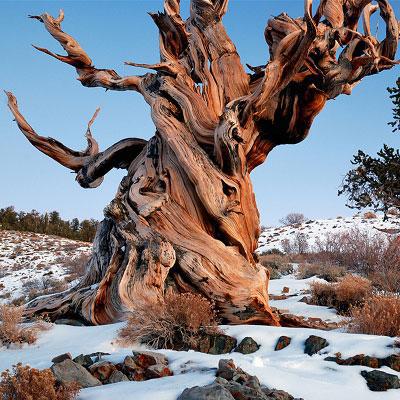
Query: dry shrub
pixel 351 291
pixel 329 272
pixel 26 383
pixel 178 322
pixel 76 266
pixel 373 255
pixel 277 265
pixel 370 215
pixel 11 330
pixel 379 315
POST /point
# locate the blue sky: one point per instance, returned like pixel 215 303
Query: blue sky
pixel 303 177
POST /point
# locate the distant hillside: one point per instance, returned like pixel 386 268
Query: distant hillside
pixel 32 263
pixel 311 231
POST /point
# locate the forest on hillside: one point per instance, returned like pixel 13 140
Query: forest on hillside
pixel 49 223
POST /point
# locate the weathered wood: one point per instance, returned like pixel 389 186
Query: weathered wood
pixel 185 215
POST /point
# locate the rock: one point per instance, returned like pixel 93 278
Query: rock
pixel 217 344
pixel 83 360
pixel 68 371
pixel 61 357
pixel 314 344
pixel 144 359
pixel 102 370
pixel 98 355
pixel 214 391
pixel 157 371
pixel 304 299
pixel 278 394
pixel 379 381
pixel 282 342
pixel 117 376
pixel 392 361
pixel 285 289
pixel 233 383
pixel 226 369
pixel 247 346
pixel 68 321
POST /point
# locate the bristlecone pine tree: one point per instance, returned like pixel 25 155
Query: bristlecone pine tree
pixel 185 214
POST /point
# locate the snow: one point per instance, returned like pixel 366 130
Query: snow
pixel 297 290
pixel 271 238
pixel 289 369
pixel 26 256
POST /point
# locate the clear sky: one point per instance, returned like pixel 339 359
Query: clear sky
pixel 303 177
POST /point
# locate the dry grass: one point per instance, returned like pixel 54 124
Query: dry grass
pixel 379 315
pixel 277 265
pixel 349 292
pixel 25 383
pixel 329 272
pixel 11 330
pixel 178 322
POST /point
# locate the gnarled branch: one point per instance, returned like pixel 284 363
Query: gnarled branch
pixel 90 165
pixel 88 75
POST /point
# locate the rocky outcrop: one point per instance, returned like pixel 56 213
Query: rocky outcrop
pixel 392 361
pixel 379 381
pixel 247 346
pixel 314 344
pixel 68 371
pixel 233 383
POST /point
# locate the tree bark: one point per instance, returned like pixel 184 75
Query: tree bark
pixel 185 214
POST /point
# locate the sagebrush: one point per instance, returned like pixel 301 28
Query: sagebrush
pixel 350 291
pixel 26 383
pixel 11 329
pixel 179 321
pixel 379 315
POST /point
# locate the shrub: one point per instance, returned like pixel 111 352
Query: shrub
pixel 293 219
pixel 180 321
pixel 379 315
pixel 350 291
pixel 11 331
pixel 376 256
pixel 276 265
pixel 25 383
pixel 370 215
pixel 330 273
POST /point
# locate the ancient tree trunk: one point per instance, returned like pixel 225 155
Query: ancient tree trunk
pixel 185 214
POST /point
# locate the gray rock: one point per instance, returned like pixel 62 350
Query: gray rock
pixel 314 344
pixel 69 371
pixel 379 381
pixel 84 360
pixel 214 391
pixel 117 376
pixel 61 357
pixel 247 346
pixel 217 344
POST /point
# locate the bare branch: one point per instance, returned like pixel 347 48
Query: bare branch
pixel 88 75
pixel 90 165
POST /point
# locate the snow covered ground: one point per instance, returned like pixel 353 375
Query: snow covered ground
pixel 297 289
pixel 271 238
pixel 290 369
pixel 26 256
